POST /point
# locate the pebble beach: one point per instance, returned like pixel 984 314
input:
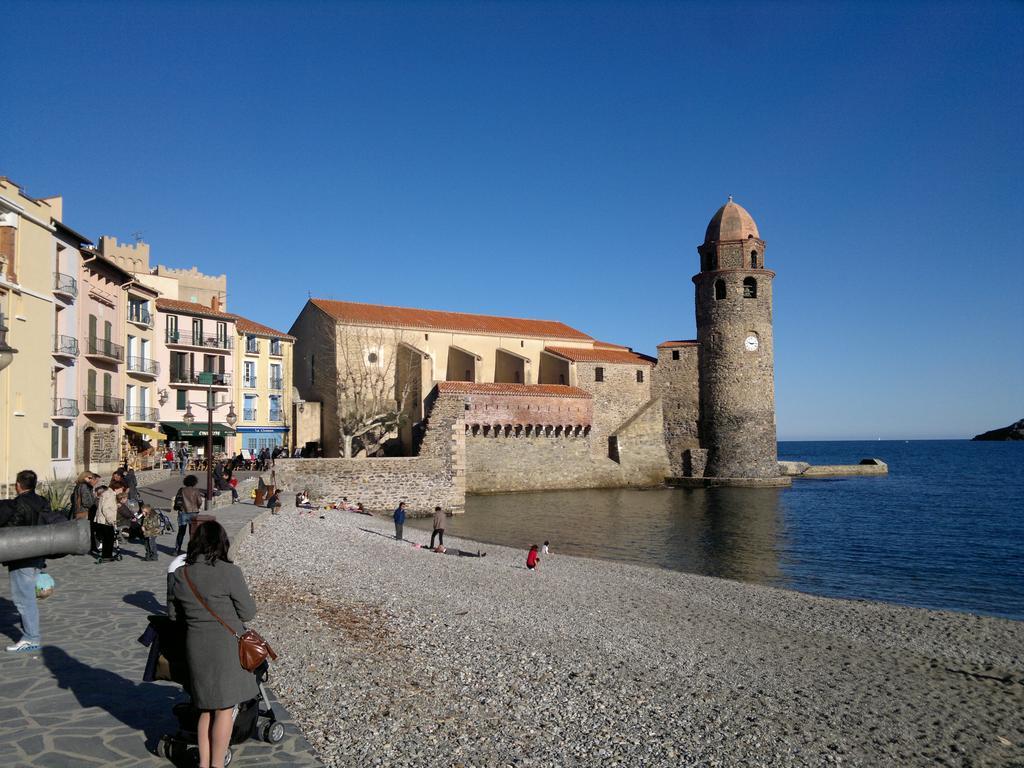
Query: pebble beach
pixel 397 656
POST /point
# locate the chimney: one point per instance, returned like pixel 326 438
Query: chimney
pixel 215 303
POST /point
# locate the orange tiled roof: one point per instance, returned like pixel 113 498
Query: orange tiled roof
pixel 191 308
pixel 429 319
pixel 608 345
pixel 578 355
pixel 245 325
pixel 680 343
pixel 525 390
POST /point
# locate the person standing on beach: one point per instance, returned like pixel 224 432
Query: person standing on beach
pixel 531 559
pixel 399 520
pixel 438 527
pixel 23 510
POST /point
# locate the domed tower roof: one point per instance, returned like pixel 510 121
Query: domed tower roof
pixel 731 222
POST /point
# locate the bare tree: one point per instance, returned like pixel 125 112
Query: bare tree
pixel 374 386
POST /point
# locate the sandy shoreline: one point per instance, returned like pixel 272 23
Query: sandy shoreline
pixel 398 656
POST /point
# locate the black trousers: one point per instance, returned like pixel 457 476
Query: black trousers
pixel 439 533
pixel 105 535
pixel 398 530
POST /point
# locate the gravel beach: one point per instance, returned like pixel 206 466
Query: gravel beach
pixel 392 655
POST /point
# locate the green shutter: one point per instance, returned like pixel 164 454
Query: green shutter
pixel 182 399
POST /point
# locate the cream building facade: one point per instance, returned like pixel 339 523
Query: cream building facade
pixel 263 387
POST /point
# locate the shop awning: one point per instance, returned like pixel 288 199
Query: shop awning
pixel 181 429
pixel 152 434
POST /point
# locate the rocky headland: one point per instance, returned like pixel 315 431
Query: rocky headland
pixel 1013 432
pixel 397 656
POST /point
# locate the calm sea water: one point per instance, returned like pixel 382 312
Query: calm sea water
pixel 945 529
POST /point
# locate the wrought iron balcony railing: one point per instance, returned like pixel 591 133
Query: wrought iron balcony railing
pixel 202 378
pixel 276 416
pixel 143 365
pixel 277 383
pixel 252 346
pixel 249 414
pixel 105 348
pixel 65 345
pixel 188 340
pixel 104 404
pixel 275 348
pixel 65 284
pixel 249 382
pixel 65 408
pixel 139 413
pixel 139 315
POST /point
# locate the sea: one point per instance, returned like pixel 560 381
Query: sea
pixel 944 529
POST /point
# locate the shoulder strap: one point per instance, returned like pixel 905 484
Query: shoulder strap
pixel 204 604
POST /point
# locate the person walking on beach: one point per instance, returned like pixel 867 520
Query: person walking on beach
pixel 187 502
pixel 24 509
pixel 532 560
pixel 438 527
pixel 399 520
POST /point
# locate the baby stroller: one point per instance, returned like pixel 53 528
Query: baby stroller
pixel 253 719
pixel 166 526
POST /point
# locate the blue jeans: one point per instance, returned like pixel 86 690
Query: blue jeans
pixel 23 593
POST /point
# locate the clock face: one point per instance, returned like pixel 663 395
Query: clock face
pixel 751 343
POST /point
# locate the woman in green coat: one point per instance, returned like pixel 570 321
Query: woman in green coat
pixel 218 680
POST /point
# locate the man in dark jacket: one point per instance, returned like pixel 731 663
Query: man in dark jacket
pixel 399 520
pixel 25 509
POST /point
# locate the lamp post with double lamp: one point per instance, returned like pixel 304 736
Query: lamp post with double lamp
pixel 210 406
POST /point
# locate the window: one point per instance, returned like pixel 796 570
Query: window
pixel 426 337
pixel 719 289
pixel 222 335
pixel 92 329
pixel 599 374
pixel 675 354
pixel 252 345
pixel 275 408
pixel 249 373
pixel 59 442
pixel 249 408
pixel 172 328
pixel 639 377
pixel 753 259
pixel 749 288
pixel 275 347
pixel 182 401
pixel 275 376
pixel 197 330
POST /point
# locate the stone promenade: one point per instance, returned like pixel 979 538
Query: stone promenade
pixel 81 700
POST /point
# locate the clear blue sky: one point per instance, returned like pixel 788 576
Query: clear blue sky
pixel 561 161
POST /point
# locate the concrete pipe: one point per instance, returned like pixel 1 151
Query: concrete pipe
pixel 23 541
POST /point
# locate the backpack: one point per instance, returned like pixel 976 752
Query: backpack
pixel 45 516
pixel 179 502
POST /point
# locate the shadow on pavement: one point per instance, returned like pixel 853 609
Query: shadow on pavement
pixel 10 621
pixel 143 707
pixel 146 601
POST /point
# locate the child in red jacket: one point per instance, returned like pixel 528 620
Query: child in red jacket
pixel 532 559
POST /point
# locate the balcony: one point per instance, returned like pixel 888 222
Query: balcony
pixel 143 366
pixel 104 405
pixel 249 382
pixel 139 315
pixel 65 408
pixel 65 346
pixel 105 350
pixel 249 414
pixel 176 338
pixel 65 285
pixel 201 378
pixel 275 348
pixel 252 346
pixel 139 413
pixel 277 384
pixel 277 416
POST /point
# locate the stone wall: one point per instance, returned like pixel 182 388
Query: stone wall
pixel 616 398
pixel 314 370
pixel 676 381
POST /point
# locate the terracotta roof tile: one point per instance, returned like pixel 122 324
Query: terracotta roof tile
pixel 245 325
pixel 523 390
pixel 578 355
pixel 609 345
pixel 429 319
pixel 191 308
pixel 680 343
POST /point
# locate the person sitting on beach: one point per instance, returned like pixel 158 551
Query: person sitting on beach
pixel 274 502
pixel 441 549
pixel 302 502
pixel 544 551
pixel 532 560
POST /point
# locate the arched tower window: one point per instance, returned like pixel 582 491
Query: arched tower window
pixel 749 288
pixel 719 289
pixel 753 259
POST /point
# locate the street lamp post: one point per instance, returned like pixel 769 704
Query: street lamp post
pixel 210 406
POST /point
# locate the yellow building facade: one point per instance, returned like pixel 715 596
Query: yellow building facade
pixel 263 387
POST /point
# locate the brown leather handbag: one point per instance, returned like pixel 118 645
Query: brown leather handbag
pixel 253 650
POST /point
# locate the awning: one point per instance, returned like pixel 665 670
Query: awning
pixel 181 429
pixel 152 434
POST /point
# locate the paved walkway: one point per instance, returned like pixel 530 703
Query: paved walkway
pixel 81 700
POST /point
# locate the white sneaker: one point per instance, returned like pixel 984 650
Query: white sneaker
pixel 23 646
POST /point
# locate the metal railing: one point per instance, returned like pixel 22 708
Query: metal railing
pixel 204 378
pixel 105 348
pixel 277 415
pixel 65 284
pixel 139 315
pixel 277 383
pixel 104 404
pixel 65 407
pixel 65 345
pixel 249 414
pixel 252 346
pixel 275 348
pixel 143 365
pixel 138 413
pixel 188 340
pixel 249 382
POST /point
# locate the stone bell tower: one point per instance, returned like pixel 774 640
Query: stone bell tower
pixel 736 360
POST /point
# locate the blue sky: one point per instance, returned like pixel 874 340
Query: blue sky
pixel 561 161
